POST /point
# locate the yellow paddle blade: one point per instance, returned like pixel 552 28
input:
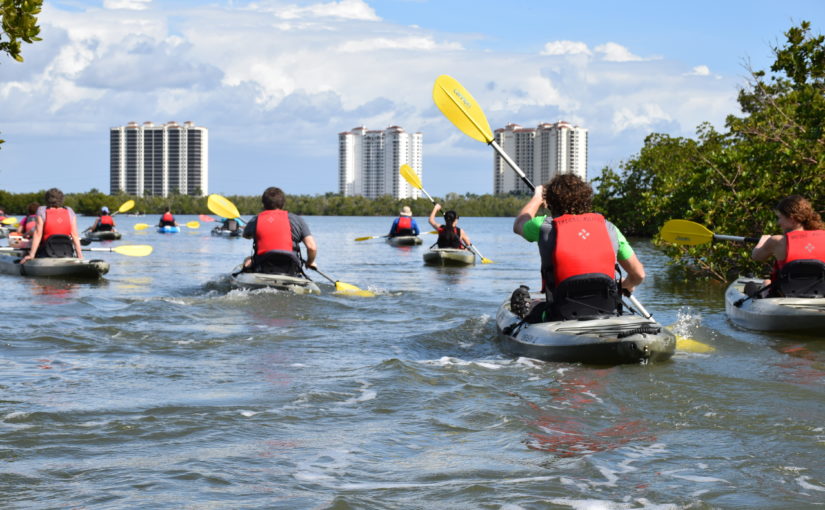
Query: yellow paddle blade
pixel 347 288
pixel 142 226
pixel 685 232
pixel 222 206
pixel 485 260
pixel 411 177
pixel 458 105
pixel 9 221
pixel 127 206
pixel 193 224
pixel 133 250
pixel 432 232
pixel 367 238
pixel 690 345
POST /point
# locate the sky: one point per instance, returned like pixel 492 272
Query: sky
pixel 276 81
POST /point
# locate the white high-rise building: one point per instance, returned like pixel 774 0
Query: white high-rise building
pixel 541 153
pixel 150 160
pixel 369 162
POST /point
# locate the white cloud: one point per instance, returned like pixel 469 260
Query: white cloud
pixel 133 5
pixel 643 116
pixel 566 48
pixel 700 71
pixel 406 43
pixel 345 9
pixel 613 52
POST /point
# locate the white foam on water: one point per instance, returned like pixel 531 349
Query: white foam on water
pixel 298 365
pixel 794 469
pixel 366 394
pixel 447 361
pixel 602 504
pixel 805 484
pixel 248 414
pixel 446 483
pixel 15 414
pixel 673 473
pixel 304 476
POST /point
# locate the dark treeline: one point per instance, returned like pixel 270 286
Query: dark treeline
pixel 330 204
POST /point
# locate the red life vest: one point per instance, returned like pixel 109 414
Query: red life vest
pixel 58 222
pixel 106 220
pixel 801 245
pixel 28 224
pixel 167 216
pixel 404 222
pixel 273 232
pixel 583 246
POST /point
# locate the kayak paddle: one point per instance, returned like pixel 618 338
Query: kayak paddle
pixel 682 343
pixel 132 250
pixel 144 226
pixel 11 220
pixel 346 288
pixel 222 207
pixel 459 106
pixel 206 219
pixel 411 177
pixel 126 206
pixel 367 238
pixel 690 233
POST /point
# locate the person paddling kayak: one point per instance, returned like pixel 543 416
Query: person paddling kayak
pixel 277 234
pixel 579 250
pixel 55 234
pixel 449 235
pixel 29 222
pixel 104 221
pixel 801 245
pixel 167 219
pixel 405 224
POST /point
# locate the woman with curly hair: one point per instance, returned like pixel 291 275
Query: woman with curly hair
pixel 803 236
pixel 579 248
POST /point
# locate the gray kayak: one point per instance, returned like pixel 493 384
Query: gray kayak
pixel 293 284
pixel 449 257
pixel 109 235
pixel 59 267
pixel 404 240
pixel 219 231
pixel 609 341
pixel 773 313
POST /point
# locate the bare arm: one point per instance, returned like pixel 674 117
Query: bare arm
pixel 635 272
pixel 465 240
pixel 769 246
pixel 436 208
pixel 529 211
pixel 36 238
pixel 312 251
pixel 76 239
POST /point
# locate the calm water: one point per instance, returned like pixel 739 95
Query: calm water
pixel 160 388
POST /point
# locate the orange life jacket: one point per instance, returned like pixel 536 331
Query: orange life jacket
pixel 58 222
pixel 273 232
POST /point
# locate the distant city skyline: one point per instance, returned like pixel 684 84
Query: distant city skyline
pixel 276 80
pixel 369 162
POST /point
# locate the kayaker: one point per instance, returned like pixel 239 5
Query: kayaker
pixel 405 224
pixel 579 249
pixel 449 235
pixel 277 234
pixel 55 234
pixel 29 222
pixel 104 221
pixel 167 219
pixel 803 238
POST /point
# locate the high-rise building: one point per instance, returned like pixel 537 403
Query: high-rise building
pixel 541 153
pixel 369 160
pixel 150 160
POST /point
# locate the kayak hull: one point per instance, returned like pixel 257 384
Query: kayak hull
pixel 53 267
pixel 222 232
pixel 449 257
pixel 404 241
pixel 773 314
pixel 610 341
pixel 254 281
pixel 19 242
pixel 168 230
pixel 104 236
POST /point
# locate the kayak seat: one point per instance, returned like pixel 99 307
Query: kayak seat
pixel 231 225
pixel 403 232
pixel 56 246
pixel 583 297
pixel 104 228
pixel 276 262
pixel 802 279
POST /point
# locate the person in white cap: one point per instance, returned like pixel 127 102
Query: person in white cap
pixel 104 221
pixel 405 224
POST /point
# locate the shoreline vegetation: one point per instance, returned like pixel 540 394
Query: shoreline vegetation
pixel 329 204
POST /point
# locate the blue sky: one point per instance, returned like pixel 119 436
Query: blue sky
pixel 276 81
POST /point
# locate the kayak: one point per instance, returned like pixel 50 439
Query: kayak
pixel 609 341
pixel 106 235
pixel 19 242
pixel 773 313
pixel 64 267
pixel 168 229
pixel 224 232
pixel 293 284
pixel 404 240
pixel 449 257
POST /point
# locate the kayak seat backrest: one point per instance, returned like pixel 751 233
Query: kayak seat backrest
pixel 277 262
pixel 403 232
pixel 802 279
pixel 57 246
pixel 104 228
pixel 587 296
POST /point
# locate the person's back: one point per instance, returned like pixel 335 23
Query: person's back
pixel 449 234
pixel 405 224
pixel 56 232
pixel 277 234
pixel 167 219
pixel 105 222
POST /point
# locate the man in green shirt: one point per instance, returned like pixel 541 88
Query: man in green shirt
pixel 584 246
